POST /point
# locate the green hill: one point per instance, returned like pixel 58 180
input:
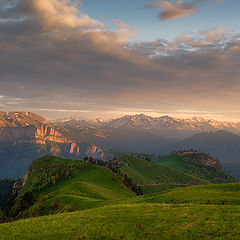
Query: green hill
pixel 197 164
pixel 105 209
pixel 153 177
pixel 54 184
pixel 57 185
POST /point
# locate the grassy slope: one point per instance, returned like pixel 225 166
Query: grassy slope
pixel 91 187
pixel 173 161
pixel 211 174
pixel 181 213
pixel 217 194
pixel 132 221
pixel 153 177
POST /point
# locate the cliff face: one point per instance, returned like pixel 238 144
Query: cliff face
pixel 24 127
pixel 32 134
pixel 44 133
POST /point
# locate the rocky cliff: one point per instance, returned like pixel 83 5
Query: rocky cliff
pixel 26 136
pixel 28 127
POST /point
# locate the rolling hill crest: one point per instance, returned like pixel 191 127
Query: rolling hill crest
pixel 53 184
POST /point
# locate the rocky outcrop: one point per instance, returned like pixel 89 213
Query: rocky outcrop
pixel 95 152
pixel 19 184
pixel 16 188
pixel 28 127
pixel 23 127
pixel 199 158
pixel 26 177
pixel 81 150
pixel 32 134
pixel 74 149
pixel 44 133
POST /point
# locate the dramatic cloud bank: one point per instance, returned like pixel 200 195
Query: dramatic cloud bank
pixel 50 63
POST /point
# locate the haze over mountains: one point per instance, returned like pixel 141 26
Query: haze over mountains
pixel 143 122
pixel 26 136
pixel 164 134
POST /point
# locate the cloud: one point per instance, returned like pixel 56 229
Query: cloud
pixel 125 30
pixel 178 9
pixel 173 10
pixel 216 38
pixel 54 14
pixel 92 69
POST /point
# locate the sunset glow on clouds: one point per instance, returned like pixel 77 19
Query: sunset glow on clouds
pixel 56 58
pixel 177 9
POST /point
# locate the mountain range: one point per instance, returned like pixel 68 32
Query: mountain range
pixel 161 124
pixel 140 133
pixel 26 136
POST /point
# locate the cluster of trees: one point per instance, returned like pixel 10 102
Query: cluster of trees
pixel 52 175
pixel 6 187
pixel 14 207
pixel 147 156
pixel 125 179
pixel 192 151
pixel 214 175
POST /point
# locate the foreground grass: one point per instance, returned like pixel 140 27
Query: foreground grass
pixel 132 221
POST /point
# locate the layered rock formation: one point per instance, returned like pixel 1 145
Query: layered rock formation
pixel 26 136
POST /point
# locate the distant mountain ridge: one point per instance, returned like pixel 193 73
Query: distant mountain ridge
pixel 143 122
pixel 25 136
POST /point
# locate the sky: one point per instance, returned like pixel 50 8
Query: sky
pixel 108 58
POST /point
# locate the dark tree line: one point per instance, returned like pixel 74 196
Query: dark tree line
pixel 113 165
pixel 126 180
pixel 6 187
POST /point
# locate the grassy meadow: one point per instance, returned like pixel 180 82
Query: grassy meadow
pixel 81 200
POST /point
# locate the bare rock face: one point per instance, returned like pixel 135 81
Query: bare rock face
pixel 28 127
pixel 25 127
pixel 74 149
pixel 16 188
pixel 26 177
pixel 95 152
pixel 199 158
pixel 44 133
